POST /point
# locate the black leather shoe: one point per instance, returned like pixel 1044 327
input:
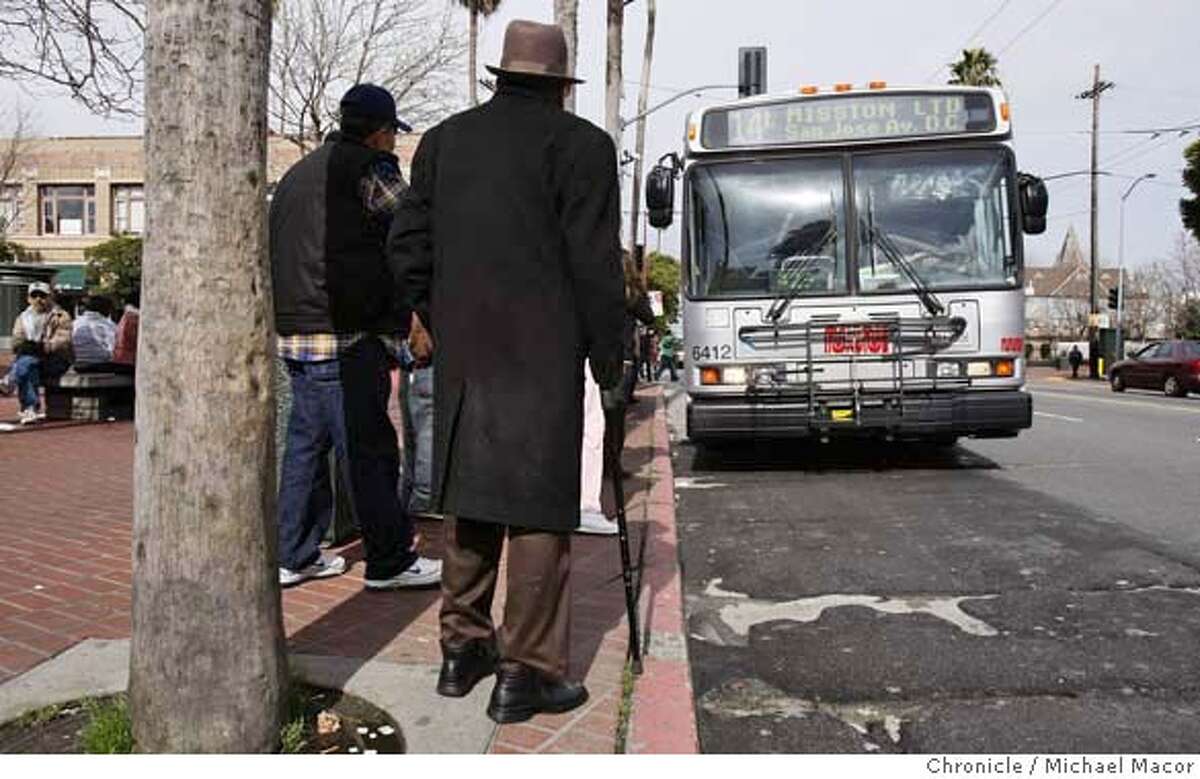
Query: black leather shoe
pixel 522 692
pixel 464 666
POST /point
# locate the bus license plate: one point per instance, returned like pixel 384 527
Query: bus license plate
pixel 858 339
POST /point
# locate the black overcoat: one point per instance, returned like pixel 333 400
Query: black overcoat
pixel 507 244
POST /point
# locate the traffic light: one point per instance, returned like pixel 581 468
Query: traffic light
pixel 752 71
pixel 1114 298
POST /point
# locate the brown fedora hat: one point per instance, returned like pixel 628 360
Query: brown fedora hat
pixel 532 49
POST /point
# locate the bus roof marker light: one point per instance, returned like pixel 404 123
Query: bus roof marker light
pixel 877 85
pixel 842 87
pixel 692 131
pixel 809 90
pixel 1004 111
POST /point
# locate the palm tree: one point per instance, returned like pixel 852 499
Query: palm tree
pixel 477 8
pixel 566 15
pixel 976 68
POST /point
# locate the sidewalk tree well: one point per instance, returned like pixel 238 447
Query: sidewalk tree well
pixel 115 266
pixel 207 666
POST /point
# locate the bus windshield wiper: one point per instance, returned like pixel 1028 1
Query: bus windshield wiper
pixel 881 239
pixel 797 273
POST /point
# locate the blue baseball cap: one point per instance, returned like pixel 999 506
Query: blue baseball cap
pixel 369 101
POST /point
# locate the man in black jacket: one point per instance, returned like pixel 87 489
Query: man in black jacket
pixel 507 243
pixel 335 312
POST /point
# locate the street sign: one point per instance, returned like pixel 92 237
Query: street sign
pixel 656 302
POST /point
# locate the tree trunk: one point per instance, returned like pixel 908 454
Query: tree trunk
pixel 566 16
pixel 207 669
pixel 473 68
pixel 612 72
pixel 643 99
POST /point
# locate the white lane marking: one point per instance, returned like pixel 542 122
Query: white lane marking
pixel 688 483
pixel 1109 401
pixel 1048 415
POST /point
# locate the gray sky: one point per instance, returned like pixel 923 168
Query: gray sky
pixel 1046 49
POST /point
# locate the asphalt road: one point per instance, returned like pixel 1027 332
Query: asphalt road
pixel 1032 595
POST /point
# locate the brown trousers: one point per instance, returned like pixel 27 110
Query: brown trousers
pixel 536 627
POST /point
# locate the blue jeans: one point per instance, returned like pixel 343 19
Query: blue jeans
pixel 26 374
pixel 342 404
pixel 417 405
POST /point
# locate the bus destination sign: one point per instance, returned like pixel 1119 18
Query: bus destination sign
pixel 851 117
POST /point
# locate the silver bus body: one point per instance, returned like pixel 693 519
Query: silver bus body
pixel 854 362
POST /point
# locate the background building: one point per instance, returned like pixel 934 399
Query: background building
pixel 66 195
pixel 1058 296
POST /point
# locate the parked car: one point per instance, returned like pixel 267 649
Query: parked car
pixel 1170 366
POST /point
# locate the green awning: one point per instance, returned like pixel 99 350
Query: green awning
pixel 69 276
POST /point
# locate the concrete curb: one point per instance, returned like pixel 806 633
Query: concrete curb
pixel 430 724
pixel 663 719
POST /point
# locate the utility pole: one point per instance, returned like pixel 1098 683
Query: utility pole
pixel 1098 88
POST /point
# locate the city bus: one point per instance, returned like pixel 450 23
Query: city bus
pixel 852 264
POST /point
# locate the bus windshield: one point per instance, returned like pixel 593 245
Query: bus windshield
pixel 777 226
pixel 769 227
pixel 946 211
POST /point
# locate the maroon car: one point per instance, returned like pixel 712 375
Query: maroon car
pixel 1170 366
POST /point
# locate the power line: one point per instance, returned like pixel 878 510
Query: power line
pixel 1027 28
pixel 982 26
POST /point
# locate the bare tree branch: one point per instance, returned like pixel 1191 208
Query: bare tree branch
pixel 91 48
pixel 15 132
pixel 323 47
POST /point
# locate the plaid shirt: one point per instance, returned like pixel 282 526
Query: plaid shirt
pixel 381 191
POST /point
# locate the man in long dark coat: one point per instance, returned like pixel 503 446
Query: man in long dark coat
pixel 507 245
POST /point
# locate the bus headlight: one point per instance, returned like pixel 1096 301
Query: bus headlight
pixel 733 375
pixel 949 370
pixel 979 369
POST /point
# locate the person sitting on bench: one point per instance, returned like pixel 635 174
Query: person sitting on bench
pixel 94 336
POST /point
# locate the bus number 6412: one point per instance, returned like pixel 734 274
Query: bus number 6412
pixel 700 353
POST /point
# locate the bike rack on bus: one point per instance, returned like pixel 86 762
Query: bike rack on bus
pixel 907 337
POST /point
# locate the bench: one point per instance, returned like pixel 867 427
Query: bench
pixel 89 396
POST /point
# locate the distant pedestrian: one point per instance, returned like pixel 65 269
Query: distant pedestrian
pixel 93 335
pixel 637 310
pixel 1075 358
pixel 334 305
pixel 125 345
pixel 507 245
pixel 666 361
pixel 416 405
pixel 41 341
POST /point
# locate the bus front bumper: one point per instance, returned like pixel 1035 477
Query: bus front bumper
pixel 982 414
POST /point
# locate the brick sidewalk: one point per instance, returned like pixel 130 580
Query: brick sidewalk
pixel 65 512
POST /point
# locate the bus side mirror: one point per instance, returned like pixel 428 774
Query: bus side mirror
pixel 1035 201
pixel 660 196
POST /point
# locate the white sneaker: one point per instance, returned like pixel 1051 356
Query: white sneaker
pixel 28 416
pixel 422 573
pixel 324 567
pixel 595 523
